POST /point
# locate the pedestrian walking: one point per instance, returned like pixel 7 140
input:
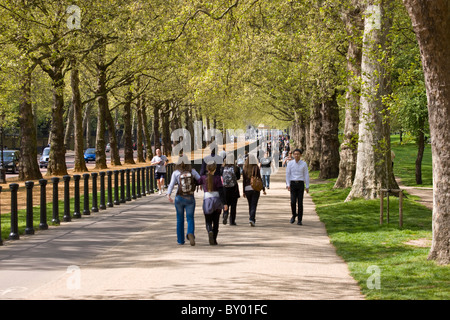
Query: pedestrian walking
pixel 252 185
pixel 160 161
pixel 230 176
pixel 297 181
pixel 265 166
pixel 187 179
pixel 213 201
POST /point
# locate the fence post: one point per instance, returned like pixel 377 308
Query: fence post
pixel 152 179
pixel 14 235
pixel 128 184
pixel 55 204
pixel 122 186
pixel 86 210
pixel 143 193
pixel 43 209
pixel 133 183
pixel 110 201
pixel 66 216
pixel 29 229
pixel 94 192
pixel 138 177
pixel 102 190
pixel 400 209
pixel 116 188
pixel 77 213
pixel 381 206
pixel 147 176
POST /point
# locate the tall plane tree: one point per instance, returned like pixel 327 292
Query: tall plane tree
pixel 431 23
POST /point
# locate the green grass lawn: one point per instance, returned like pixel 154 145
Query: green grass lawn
pixel 405 161
pixel 355 231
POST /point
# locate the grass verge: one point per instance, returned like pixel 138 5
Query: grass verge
pixel 398 254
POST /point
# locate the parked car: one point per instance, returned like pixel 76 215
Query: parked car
pixel 89 154
pixel 11 160
pixel 108 147
pixel 43 161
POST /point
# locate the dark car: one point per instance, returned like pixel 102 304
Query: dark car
pixel 89 155
pixel 10 159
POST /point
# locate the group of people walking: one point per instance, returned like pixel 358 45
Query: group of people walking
pixel 219 183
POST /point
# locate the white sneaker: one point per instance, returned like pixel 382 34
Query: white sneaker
pixel 160 192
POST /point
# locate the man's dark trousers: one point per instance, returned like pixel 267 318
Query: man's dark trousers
pixel 297 190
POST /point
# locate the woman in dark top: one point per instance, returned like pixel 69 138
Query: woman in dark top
pixel 230 174
pixel 213 201
pixel 250 169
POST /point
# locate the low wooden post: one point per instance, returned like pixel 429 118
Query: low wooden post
pixel 400 209
pixel 381 206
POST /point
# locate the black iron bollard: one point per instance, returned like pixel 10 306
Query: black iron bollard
pixel 152 179
pixel 66 216
pixel 29 229
pixel 122 186
pixel 55 204
pixel 94 192
pixel 110 201
pixel 128 198
pixel 14 235
pixel 133 183
pixel 76 211
pixel 147 177
pixel 102 190
pixel 138 178
pixel 86 210
pixel 43 210
pixel 143 193
pixel 116 187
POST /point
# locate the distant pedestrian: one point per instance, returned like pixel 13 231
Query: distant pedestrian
pixel 160 161
pixel 288 158
pixel 252 185
pixel 265 165
pixel 213 201
pixel 230 176
pixel 187 179
pixel 297 181
pixel 211 158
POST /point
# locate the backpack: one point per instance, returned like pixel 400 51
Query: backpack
pixel 229 177
pixel 187 185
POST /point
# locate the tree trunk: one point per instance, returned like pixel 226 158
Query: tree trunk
pixel 127 133
pixel 139 135
pixel 28 166
pixel 315 142
pixel 57 158
pixel 114 147
pixel 347 166
pixel 69 127
pixel 431 23
pixel 329 160
pixel 146 130
pixel 80 164
pixel 100 143
pixel 167 144
pixel 421 148
pixel 156 133
pixel 373 160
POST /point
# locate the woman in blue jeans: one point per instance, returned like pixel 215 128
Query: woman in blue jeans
pixel 187 179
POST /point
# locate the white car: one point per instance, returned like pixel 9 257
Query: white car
pixel 43 161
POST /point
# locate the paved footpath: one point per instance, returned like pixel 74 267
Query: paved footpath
pixel 130 252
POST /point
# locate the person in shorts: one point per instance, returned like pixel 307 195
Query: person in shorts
pixel 160 161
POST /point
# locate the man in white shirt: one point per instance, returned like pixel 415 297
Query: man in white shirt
pixel 297 180
pixel 160 161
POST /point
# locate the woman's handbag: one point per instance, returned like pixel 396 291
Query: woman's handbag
pixel 255 181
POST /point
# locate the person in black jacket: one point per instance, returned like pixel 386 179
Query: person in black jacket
pixel 250 169
pixel 230 174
